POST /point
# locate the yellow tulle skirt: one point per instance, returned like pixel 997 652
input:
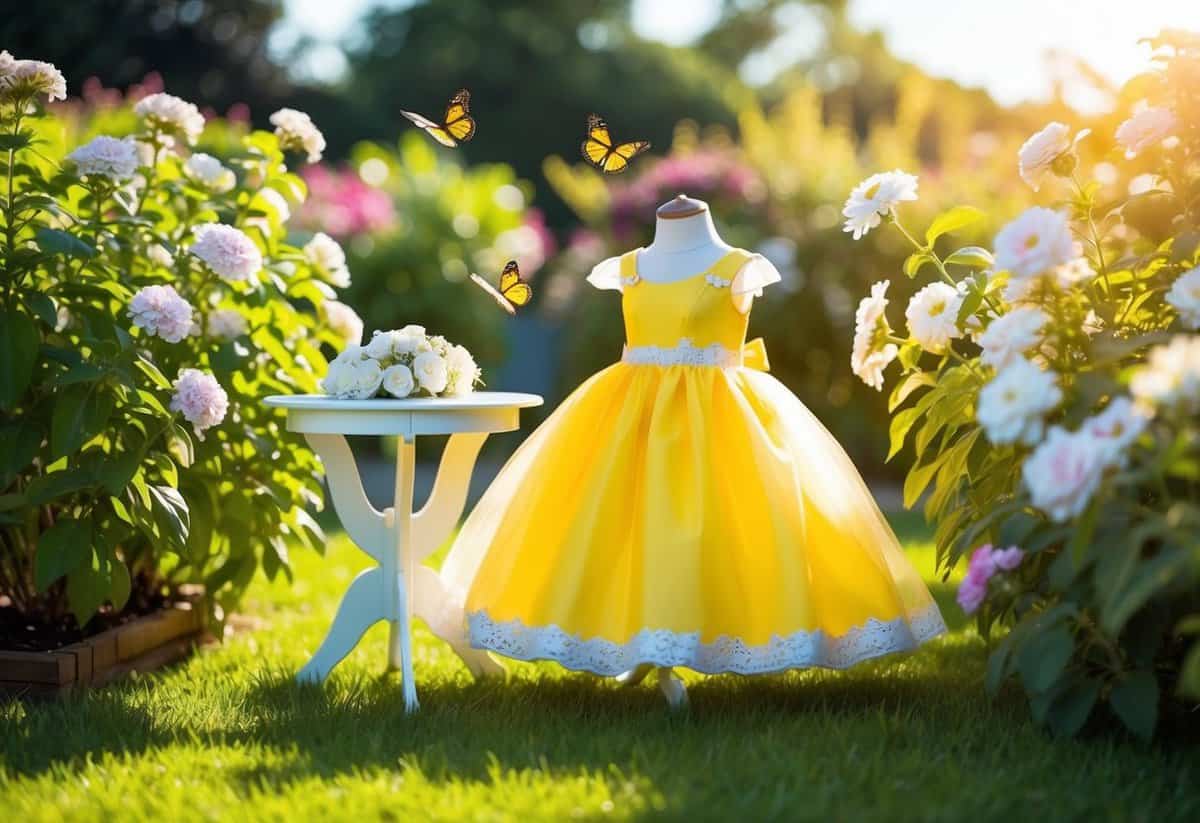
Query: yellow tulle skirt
pixel 685 516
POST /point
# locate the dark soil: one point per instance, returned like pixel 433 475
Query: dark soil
pixel 39 632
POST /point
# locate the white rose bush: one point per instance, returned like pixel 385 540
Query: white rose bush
pixel 150 298
pixel 1049 390
pixel 402 363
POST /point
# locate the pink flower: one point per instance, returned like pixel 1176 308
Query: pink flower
pixel 983 565
pixel 201 400
pixel 227 251
pixel 159 310
pixel 341 204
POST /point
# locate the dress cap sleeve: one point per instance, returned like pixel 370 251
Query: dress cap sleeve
pixel 606 274
pixel 757 272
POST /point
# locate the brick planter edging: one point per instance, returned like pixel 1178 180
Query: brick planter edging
pixel 142 644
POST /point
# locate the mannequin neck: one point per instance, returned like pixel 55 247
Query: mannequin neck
pixel 685 234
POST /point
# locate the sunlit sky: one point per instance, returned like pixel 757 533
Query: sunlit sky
pixel 1007 47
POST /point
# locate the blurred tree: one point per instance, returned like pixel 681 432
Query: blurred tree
pixel 209 51
pixel 534 70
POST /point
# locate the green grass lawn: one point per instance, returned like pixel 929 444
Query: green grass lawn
pixel 227 734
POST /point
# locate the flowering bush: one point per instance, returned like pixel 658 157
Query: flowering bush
pixel 150 299
pixel 1049 388
pixel 402 363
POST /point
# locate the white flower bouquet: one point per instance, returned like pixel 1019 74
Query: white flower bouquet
pixel 402 363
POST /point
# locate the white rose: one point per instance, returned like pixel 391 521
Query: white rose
pixel 430 370
pixel 398 380
pixel 1063 473
pixel 932 316
pixel 1037 241
pixel 1011 335
pixel 872 352
pixel 1185 297
pixel 877 196
pixel 383 345
pixel 1012 405
pixel 1170 377
pixel 462 369
pixel 1144 129
pixel 1115 429
pixel 1036 157
pixel 343 320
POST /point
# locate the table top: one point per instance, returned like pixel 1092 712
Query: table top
pixel 481 412
pixel 466 402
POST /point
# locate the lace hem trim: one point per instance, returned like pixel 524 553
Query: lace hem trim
pixel 661 647
pixel 683 353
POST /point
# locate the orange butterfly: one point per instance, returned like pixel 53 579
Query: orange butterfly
pixel 456 127
pixel 513 292
pixel 599 150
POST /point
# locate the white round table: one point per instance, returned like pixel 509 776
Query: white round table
pixel 397 538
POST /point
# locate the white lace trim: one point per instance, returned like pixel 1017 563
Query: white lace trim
pixel 683 353
pixel 661 647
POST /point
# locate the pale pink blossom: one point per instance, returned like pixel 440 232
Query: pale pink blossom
pixel 296 131
pixel 227 251
pixel 201 399
pixel 1037 241
pixel 1146 128
pixel 159 310
pixel 1115 429
pixel 171 114
pixel 1037 156
pixel 1063 473
pixel 22 79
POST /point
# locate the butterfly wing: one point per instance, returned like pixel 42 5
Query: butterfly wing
pixel 597 145
pixel 431 128
pixel 501 301
pixel 619 159
pixel 458 122
pixel 514 289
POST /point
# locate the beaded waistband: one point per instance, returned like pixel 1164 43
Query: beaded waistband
pixel 683 353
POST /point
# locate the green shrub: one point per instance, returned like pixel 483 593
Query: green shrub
pixel 1050 392
pixel 136 345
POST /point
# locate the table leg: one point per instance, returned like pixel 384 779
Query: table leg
pixel 399 567
pixel 361 608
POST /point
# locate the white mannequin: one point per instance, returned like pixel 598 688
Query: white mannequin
pixel 686 243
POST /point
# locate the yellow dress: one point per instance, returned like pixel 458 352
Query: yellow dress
pixel 683 508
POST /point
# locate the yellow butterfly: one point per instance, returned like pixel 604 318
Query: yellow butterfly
pixel 598 148
pixel 513 293
pixel 456 127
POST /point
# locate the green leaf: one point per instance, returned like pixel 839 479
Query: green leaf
pixel 170 514
pixel 915 261
pixel 88 586
pixel 19 444
pixel 953 220
pixel 55 241
pixel 997 667
pixel 15 142
pixel 1071 708
pixel 1135 700
pixel 119 584
pixel 1151 577
pixel 1044 657
pixel 974 257
pixel 901 423
pixel 916 481
pixel 907 386
pixel 61 549
pixel 19 340
pixel 910 354
pixel 81 413
pixel 58 484
pixel 43 306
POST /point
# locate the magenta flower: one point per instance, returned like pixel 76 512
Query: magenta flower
pixel 983 565
pixel 342 205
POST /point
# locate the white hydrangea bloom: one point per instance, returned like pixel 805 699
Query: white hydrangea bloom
pixel 227 251
pixel 201 399
pixel 209 172
pixel 171 114
pixel 227 324
pixel 1184 295
pixel 160 310
pixel 103 156
pixel 326 256
pixel 1034 243
pixel 296 132
pixel 22 79
pixel 932 316
pixel 355 378
pixel 1011 335
pixel 1012 405
pixel 1063 473
pixel 1145 129
pixel 872 351
pixel 1171 376
pixel 876 197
